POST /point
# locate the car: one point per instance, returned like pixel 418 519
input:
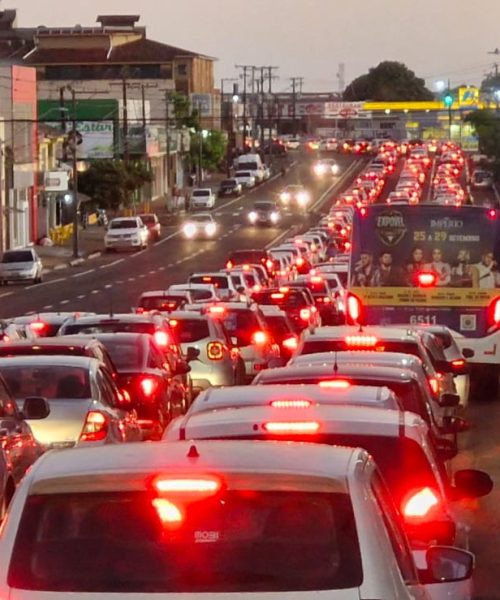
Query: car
pixel 400 197
pixel 196 292
pixel 230 187
pixel 328 145
pixel 44 324
pixel 251 256
pixel 161 301
pixel 248 331
pixel 399 442
pixel 86 407
pixel 226 290
pixel 84 514
pixel 264 212
pixel 282 330
pixel 219 361
pixel 153 224
pixel 323 296
pixel 292 143
pixel 22 265
pixel 481 179
pixel 326 166
pixel 297 303
pixel 245 178
pixel 294 194
pixel 202 198
pixel 200 225
pixel 147 377
pixel 126 232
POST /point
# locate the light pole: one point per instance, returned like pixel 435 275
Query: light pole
pixel 73 145
pixel 202 135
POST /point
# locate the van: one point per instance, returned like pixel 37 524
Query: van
pixel 252 163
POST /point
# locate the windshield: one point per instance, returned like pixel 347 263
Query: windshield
pixel 51 382
pixel 220 282
pixel 201 193
pixel 113 327
pixel 264 206
pixel 237 541
pixel 125 354
pixel 190 330
pixel 166 303
pixel 17 256
pixel 128 224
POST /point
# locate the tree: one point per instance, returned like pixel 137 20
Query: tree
pixel 112 183
pixel 487 126
pixel 184 114
pixel 213 149
pixel 389 81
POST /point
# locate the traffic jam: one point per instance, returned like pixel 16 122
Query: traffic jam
pixel 287 422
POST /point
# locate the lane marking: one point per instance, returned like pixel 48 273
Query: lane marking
pixel 338 183
pixel 47 307
pixel 7 294
pixel 279 237
pixel 112 264
pixel 81 296
pixel 95 291
pixel 82 273
pixel 64 302
pixel 108 286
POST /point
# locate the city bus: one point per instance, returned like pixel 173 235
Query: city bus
pixel 435 265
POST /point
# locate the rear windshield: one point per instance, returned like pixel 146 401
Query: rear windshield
pixel 17 256
pixel 125 354
pixel 241 324
pixel 220 282
pixel 190 330
pixel 51 382
pixel 236 541
pixel 128 224
pixel 112 327
pixel 149 219
pixel 279 326
pixel 165 303
pixel 284 299
pixel 313 346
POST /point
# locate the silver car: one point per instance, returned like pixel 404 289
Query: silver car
pixel 21 265
pixel 218 363
pixel 86 407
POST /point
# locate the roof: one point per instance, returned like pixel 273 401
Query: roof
pixel 325 371
pixel 47 361
pixel 145 460
pixel 398 359
pixel 65 341
pixel 382 333
pixel 45 316
pixel 135 52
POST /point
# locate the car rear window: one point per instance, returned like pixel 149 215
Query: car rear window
pixel 166 303
pixel 280 326
pixel 50 381
pixel 190 330
pixel 148 219
pixel 236 541
pixel 220 282
pixel 241 324
pixel 312 346
pixel 125 354
pixel 286 300
pixel 111 327
pixel 201 193
pixel 17 256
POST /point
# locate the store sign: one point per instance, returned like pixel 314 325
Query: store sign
pixel 346 110
pixel 55 181
pixel 97 139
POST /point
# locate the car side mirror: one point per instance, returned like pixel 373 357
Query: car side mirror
pixel 471 483
pixel 182 368
pixel 446 564
pixel 454 425
pixel 448 400
pixel 468 353
pixel 192 353
pixel 35 407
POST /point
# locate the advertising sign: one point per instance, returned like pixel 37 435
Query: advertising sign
pixel 97 139
pixel 56 181
pixel 346 110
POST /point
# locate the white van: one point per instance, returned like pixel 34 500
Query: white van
pixel 252 163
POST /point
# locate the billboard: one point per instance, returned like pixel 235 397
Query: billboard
pixel 97 139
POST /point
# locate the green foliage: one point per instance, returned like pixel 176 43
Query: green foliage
pixel 184 114
pixel 112 183
pixel 389 81
pixel 487 126
pixel 490 83
pixel 213 149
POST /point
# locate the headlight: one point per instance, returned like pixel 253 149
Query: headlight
pixel 274 217
pixel 319 169
pixel 284 196
pixel 302 198
pixel 189 230
pixel 335 169
pixel 210 229
pixel 252 216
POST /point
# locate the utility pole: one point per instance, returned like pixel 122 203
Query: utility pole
pixel 75 177
pixel 270 104
pixel 245 68
pixel 227 119
pixel 125 119
pixel 144 123
pixel 296 82
pixel 167 135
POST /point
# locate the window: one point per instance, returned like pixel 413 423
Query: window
pixel 115 542
pixel 125 354
pixel 191 330
pixel 7 405
pixel 50 381
pixel 182 70
pixel 106 388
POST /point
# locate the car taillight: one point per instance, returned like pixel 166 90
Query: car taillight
pixel 291 403
pixel 201 485
pixel 217 311
pixel 260 337
pixel 277 295
pixel 161 338
pixel 215 350
pixel 361 341
pixel 458 363
pixel 148 386
pixel 38 327
pixel 426 279
pixel 229 264
pixel 353 308
pixel 419 503
pixel 299 262
pixel 434 383
pixel 305 314
pixel 494 311
pixel 269 264
pixel 335 384
pixel 291 343
pixel 168 513
pixel 139 310
pixel 95 428
pixel 287 427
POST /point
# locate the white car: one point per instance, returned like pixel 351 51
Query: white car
pixel 126 232
pixel 200 225
pixel 245 178
pixel 198 292
pixel 21 265
pixel 202 198
pixel 102 523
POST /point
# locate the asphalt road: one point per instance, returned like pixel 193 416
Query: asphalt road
pixel 115 281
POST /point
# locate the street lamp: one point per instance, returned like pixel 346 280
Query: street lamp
pixel 440 85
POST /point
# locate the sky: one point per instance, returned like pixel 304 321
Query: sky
pixel 438 39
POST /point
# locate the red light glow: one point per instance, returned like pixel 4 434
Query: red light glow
pixel 291 403
pixel 335 384
pixel 186 485
pixel 420 503
pixel 285 427
pixel 365 341
pixel 427 279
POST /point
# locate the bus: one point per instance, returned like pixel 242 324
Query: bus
pixel 431 265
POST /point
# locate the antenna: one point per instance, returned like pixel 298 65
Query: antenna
pixel 341 77
pixel 335 364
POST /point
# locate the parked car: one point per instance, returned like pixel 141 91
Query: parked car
pixel 230 187
pixel 202 198
pixel 126 233
pixel 481 179
pixel 21 266
pixel 153 224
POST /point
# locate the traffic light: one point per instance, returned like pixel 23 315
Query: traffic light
pixel 448 99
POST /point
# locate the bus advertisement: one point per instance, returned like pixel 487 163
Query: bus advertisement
pixel 430 264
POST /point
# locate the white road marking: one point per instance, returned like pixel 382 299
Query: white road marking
pixel 279 237
pixel 81 296
pixel 131 279
pixel 64 302
pixel 95 291
pixel 83 273
pixel 39 285
pixel 108 286
pixel 112 264
pixel 7 294
pixel 47 307
pixel 169 237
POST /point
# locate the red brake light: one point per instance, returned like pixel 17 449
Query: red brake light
pixel 434 383
pixel 95 428
pixel 365 341
pixel 173 322
pixel 420 503
pixel 317 279
pixel 291 403
pixel 260 337
pixel 458 364
pixel 492 213
pixel 38 326
pixel 277 296
pixel 426 279
pixel 205 485
pixel 291 343
pixel 139 310
pixel 215 350
pixel 269 263
pixel 299 262
pixel 229 265
pixel 305 314
pixel 148 386
pixel 353 307
pixel 217 310
pixel 161 338
pixel 285 427
pixel 494 311
pixel 335 384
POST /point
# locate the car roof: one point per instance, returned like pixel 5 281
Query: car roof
pixel 382 333
pixel 115 318
pixel 64 341
pixel 133 465
pixel 188 314
pixel 132 217
pixel 263 395
pixel 159 293
pixel 130 337
pixel 325 371
pixel 397 359
pixel 53 317
pixel 50 361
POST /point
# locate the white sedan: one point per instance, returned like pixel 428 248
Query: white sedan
pixel 199 225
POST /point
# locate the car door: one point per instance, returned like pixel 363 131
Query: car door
pixel 16 436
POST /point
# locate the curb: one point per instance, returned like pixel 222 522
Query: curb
pixel 75 262
pixel 72 263
pixel 94 255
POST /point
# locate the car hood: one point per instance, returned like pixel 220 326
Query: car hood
pixel 64 424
